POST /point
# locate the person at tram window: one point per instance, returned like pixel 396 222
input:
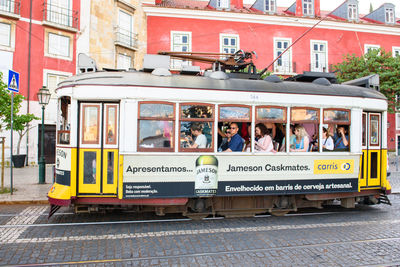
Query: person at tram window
pixel 200 139
pixel 225 140
pixel 341 138
pixel 236 142
pixel 264 143
pixel 327 140
pixel 302 140
pixel 276 131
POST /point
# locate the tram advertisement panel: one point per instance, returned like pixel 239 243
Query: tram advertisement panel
pixel 230 175
pixel 63 166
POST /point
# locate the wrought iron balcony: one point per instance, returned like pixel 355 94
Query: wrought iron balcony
pixel 10 6
pixel 284 67
pixel 126 38
pixel 60 15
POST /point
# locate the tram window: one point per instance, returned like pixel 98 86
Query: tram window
pixel 274 119
pixel 240 115
pixel 63 131
pixel 90 124
pixel 89 167
pixel 374 128
pixel 337 122
pixel 306 124
pixel 196 127
pixel 111 124
pixel 156 126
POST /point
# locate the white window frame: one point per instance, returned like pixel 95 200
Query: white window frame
pixel 370 46
pixel 394 50
pixel 230 36
pixel 389 15
pixel 397 124
pixel 352 11
pixel 59 55
pixel 312 53
pixel 308 7
pixel 126 32
pixel 223 4
pixel 9 34
pixel 47 72
pixel 271 3
pixel 125 56
pixel 179 62
pixel 276 50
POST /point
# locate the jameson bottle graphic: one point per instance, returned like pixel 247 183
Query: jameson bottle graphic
pixel 206 183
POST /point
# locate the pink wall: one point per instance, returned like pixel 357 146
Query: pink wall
pixel 259 38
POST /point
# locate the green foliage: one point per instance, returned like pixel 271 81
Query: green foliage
pixel 20 121
pixel 374 62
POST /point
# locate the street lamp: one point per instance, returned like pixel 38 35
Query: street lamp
pixel 44 97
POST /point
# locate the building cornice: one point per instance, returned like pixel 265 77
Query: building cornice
pixel 268 19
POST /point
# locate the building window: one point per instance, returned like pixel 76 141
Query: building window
pixel 5 34
pixel 284 62
pixel 319 56
pixel 59 45
pixel 397 121
pixel 270 6
pixel 52 82
pixel 223 4
pixel 125 34
pixel 368 48
pixel 352 8
pixel 124 62
pixel 389 15
pixel 396 51
pixel 59 11
pixel 308 9
pixel 180 42
pixel 229 43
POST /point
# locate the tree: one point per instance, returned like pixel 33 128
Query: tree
pixel 374 62
pixel 20 121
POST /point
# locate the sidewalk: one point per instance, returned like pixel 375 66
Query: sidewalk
pixel 26 186
pixel 29 191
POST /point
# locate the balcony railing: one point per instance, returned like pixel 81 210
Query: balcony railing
pixel 320 68
pixel 10 6
pixel 126 38
pixel 60 15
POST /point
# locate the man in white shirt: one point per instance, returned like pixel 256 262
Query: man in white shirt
pixel 201 139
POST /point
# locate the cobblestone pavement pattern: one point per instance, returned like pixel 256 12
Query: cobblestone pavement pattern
pixel 367 235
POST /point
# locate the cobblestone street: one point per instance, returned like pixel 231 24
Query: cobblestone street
pixel 366 235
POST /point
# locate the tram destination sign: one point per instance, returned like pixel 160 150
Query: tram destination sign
pixel 208 175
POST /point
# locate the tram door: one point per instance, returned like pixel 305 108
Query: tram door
pixel 98 149
pixel 370 175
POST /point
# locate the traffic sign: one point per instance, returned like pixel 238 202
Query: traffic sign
pixel 13 81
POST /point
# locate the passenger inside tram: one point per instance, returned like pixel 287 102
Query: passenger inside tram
pixel 236 142
pixel 327 140
pixel 341 138
pixel 197 139
pixel 302 140
pixel 264 140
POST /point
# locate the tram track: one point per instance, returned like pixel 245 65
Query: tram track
pixel 231 252
pixel 153 220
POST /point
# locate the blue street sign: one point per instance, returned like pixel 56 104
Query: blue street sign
pixel 13 81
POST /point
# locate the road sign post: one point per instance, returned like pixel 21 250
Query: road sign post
pixel 13 86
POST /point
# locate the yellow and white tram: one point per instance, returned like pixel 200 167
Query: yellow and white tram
pixel 122 141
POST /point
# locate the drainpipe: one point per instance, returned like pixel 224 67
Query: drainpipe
pixel 29 78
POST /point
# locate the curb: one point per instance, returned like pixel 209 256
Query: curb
pixel 23 202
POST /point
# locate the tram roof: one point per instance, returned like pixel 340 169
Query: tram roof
pixel 137 78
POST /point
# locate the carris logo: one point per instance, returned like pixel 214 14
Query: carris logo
pixel 346 166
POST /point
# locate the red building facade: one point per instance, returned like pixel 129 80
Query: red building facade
pixel 225 26
pixel 38 40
